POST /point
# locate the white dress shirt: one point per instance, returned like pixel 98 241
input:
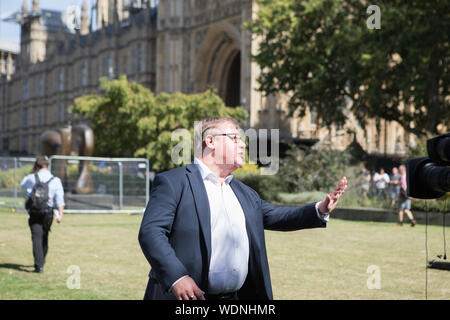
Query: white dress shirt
pixel 229 242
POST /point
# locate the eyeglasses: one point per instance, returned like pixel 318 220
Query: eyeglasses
pixel 233 136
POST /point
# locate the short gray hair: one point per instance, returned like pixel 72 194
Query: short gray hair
pixel 208 124
pixel 213 123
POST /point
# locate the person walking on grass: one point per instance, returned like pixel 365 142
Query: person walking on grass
pixel 404 202
pixel 394 185
pixel 41 184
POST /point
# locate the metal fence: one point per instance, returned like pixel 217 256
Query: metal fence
pixel 91 184
pixel 12 171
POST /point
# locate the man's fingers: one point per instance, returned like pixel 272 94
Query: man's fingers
pixel 187 289
pixel 185 296
pixel 200 296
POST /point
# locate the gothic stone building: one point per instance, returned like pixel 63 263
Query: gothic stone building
pixel 167 46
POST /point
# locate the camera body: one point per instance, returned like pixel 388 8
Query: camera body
pixel 429 177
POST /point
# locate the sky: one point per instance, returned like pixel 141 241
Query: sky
pixel 10 32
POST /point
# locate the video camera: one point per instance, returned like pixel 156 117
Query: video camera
pixel 429 177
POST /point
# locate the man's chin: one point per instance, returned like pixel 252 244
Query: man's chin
pixel 236 166
pixel 239 164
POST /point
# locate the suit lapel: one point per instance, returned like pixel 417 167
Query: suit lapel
pixel 258 272
pixel 201 204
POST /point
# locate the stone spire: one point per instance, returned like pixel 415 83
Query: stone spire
pixel 25 7
pixel 35 6
pixel 84 24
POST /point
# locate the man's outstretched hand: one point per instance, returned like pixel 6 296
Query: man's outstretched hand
pixel 331 200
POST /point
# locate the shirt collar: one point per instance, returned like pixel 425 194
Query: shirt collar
pixel 206 173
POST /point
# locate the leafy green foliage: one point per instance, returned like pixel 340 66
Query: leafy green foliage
pixel 9 178
pixel 130 121
pixel 313 170
pixel 322 54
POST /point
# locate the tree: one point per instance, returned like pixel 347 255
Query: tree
pixel 322 53
pixel 128 120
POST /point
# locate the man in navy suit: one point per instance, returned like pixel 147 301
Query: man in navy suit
pixel 203 230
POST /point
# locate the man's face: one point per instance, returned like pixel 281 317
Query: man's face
pixel 395 171
pixel 381 171
pixel 228 146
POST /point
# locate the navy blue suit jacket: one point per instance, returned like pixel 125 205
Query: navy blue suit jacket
pixel 175 234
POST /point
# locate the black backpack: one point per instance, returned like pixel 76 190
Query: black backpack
pixel 37 203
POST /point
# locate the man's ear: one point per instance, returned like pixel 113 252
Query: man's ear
pixel 210 142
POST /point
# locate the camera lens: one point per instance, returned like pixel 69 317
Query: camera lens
pixel 435 177
pixel 439 149
pixel 443 150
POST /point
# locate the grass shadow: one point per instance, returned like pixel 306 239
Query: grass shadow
pixel 17 267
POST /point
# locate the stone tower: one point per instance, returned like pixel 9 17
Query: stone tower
pixel 108 11
pixel 84 23
pixel 34 37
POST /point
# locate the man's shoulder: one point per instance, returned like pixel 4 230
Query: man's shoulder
pixel 249 190
pixel 56 179
pixel 172 174
pixel 29 176
pixel 27 179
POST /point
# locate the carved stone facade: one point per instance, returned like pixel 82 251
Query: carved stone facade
pixel 180 45
pixel 8 57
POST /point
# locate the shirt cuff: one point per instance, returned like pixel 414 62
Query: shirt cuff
pixel 170 290
pixel 324 217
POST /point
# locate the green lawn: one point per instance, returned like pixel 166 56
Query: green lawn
pixel 326 263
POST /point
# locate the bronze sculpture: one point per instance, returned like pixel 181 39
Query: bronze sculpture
pixel 63 141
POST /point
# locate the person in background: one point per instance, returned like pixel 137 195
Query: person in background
pixel 404 202
pixel 365 181
pixel 381 179
pixel 394 185
pixel 40 223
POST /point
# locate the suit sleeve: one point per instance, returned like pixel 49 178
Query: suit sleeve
pixel 290 218
pixel 155 231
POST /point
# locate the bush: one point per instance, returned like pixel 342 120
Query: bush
pixel 7 176
pixel 268 187
pixel 304 176
pixel 430 205
pixel 313 170
pixel 302 197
